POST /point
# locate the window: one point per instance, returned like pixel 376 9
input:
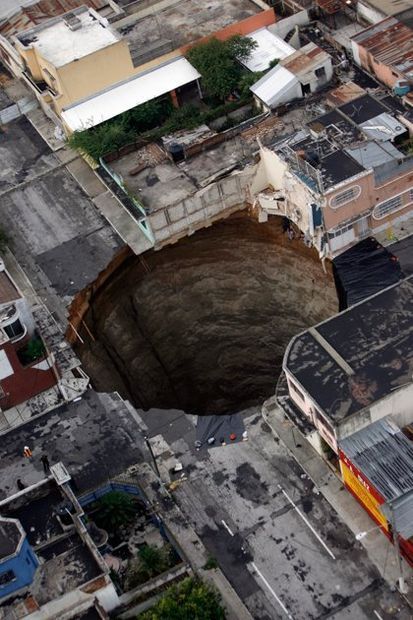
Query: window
pixel 321 72
pixel 296 390
pixel 340 231
pixel 386 207
pixel 14 330
pixel 6 578
pixel 344 197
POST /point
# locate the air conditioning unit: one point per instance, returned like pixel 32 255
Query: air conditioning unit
pixel 72 21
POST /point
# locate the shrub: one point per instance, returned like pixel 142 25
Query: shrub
pixel 192 599
pixel 115 509
pixel 151 561
pixel 32 351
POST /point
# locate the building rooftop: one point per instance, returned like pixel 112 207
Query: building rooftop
pixel 363 109
pixel 383 127
pixel 390 43
pixel 374 154
pixel 337 167
pixel 25 14
pixel 96 437
pixel 60 43
pixel 10 536
pixel 358 356
pixel 305 60
pixel 269 47
pixel 344 94
pixel 162 30
pixel 390 7
pixel 384 455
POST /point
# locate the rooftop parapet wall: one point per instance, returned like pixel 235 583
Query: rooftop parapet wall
pixel 243 27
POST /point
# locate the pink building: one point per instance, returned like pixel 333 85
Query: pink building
pixel 343 177
pixel 385 50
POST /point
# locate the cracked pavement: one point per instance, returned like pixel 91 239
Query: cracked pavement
pixel 234 499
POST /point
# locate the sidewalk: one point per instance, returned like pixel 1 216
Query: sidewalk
pixel 380 551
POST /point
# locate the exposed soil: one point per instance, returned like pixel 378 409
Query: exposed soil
pixel 202 325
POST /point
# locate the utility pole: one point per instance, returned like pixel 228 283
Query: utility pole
pixel 148 443
pixel 402 583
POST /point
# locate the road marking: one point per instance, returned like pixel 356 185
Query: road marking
pixel 279 601
pixel 378 615
pixel 306 521
pixel 227 528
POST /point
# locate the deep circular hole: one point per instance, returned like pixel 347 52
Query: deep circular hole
pixel 202 325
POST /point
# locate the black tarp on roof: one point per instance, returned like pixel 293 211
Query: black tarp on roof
pixel 363 270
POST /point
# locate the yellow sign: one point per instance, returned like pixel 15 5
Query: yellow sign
pixel 362 491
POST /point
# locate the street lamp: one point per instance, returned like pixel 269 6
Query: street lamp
pixel 361 535
pixel 402 584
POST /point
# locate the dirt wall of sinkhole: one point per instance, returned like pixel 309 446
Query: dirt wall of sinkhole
pixel 202 325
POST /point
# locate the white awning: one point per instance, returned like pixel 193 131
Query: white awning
pixel 128 95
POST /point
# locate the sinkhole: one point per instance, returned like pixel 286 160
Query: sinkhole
pixel 202 325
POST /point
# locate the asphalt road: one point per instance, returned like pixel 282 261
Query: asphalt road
pixel 279 543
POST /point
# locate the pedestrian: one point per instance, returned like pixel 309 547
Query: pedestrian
pixel 27 452
pixel 46 464
pixel 20 484
pixel 290 234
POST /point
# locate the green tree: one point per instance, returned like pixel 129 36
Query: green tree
pixel 192 599
pixel 115 510
pixel 273 63
pixel 151 561
pixel 218 63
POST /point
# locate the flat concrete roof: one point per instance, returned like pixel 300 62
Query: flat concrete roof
pixel 161 31
pixel 358 356
pixel 60 45
pixel 96 438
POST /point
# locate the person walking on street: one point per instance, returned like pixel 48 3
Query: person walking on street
pixel 45 461
pixel 27 452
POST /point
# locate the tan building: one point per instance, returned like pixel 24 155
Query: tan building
pixel 73 56
pixel 78 57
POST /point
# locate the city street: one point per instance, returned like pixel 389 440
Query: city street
pixel 278 541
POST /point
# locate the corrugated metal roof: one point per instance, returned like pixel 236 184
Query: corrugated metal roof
pixel 390 43
pixel 24 15
pixel 344 94
pixel 127 95
pixel 384 455
pixel 372 154
pixel 305 60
